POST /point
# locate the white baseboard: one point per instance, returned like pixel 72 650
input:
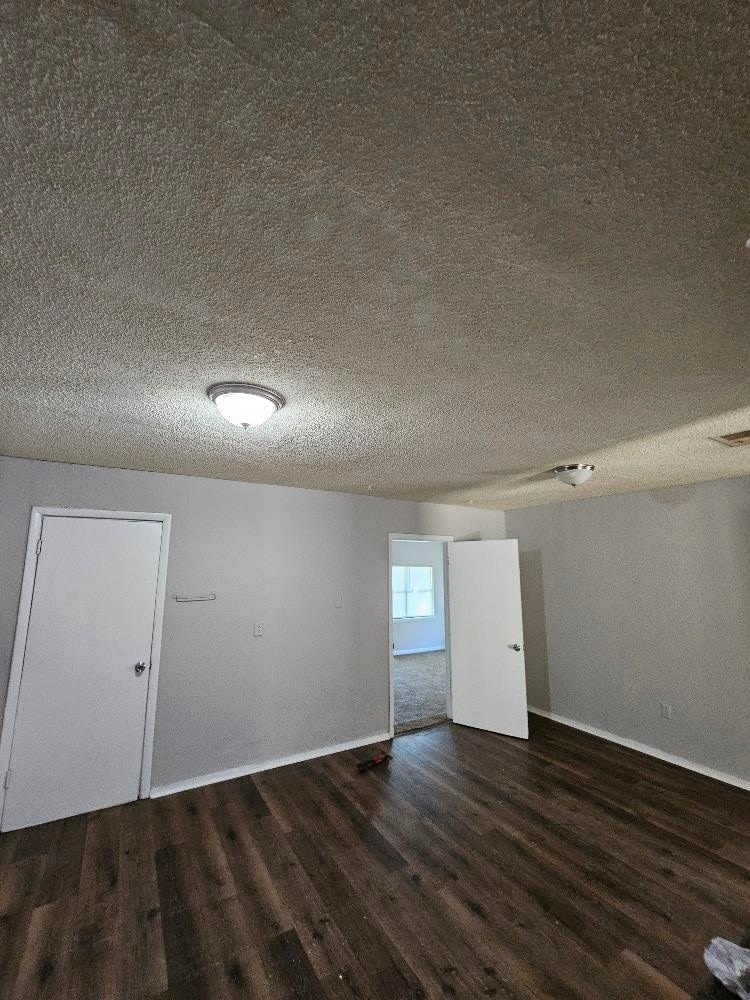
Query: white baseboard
pixel 420 649
pixel 239 772
pixel 690 765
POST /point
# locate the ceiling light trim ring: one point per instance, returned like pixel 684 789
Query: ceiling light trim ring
pixel 570 468
pixel 250 388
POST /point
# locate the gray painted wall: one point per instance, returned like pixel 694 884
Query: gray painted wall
pixel 638 599
pixel 318 676
pixel 463 524
pixel 421 633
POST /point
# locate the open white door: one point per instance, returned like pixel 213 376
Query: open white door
pixel 486 637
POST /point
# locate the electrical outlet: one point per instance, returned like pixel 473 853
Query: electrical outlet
pixel 338 601
pixel 665 711
pixel 258 630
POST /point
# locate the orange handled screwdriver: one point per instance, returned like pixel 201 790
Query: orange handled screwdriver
pixel 365 765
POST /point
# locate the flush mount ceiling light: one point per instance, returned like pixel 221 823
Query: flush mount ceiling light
pixel 574 475
pixel 244 404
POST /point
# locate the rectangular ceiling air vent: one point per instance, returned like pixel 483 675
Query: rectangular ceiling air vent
pixel 734 440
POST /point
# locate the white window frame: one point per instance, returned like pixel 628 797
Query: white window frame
pixel 407 617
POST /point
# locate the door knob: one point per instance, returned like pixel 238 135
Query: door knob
pixel 139 668
pixel 516 647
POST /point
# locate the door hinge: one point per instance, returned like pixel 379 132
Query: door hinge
pixel 39 545
pixel 6 783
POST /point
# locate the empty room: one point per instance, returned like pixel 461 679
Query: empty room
pixel 374 500
pixel 419 666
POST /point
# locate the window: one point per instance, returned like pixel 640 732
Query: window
pixel 413 592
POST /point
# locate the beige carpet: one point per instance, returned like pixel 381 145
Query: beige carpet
pixel 419 690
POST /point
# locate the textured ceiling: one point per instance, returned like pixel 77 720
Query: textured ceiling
pixel 468 241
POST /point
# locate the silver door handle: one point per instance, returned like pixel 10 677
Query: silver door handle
pixel 516 647
pixel 139 668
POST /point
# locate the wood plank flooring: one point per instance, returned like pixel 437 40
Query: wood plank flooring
pixel 473 866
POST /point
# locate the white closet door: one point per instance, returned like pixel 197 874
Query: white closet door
pixel 488 671
pixel 79 727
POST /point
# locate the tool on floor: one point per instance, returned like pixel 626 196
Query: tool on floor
pixel 730 964
pixel 379 758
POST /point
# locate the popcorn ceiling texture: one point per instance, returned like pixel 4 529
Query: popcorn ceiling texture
pixel 468 241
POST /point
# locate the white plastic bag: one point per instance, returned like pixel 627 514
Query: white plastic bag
pixel 730 964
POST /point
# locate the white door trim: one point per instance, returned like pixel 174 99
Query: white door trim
pixel 398 536
pixel 24 617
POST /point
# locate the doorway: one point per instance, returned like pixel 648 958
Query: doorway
pixel 420 675
pixel 79 718
pixel 482 650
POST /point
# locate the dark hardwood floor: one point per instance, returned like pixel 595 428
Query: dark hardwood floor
pixel 473 866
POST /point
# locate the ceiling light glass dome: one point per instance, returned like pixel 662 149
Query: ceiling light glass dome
pixel 244 404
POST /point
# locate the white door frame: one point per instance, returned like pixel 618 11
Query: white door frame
pixel 24 617
pixel 398 536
